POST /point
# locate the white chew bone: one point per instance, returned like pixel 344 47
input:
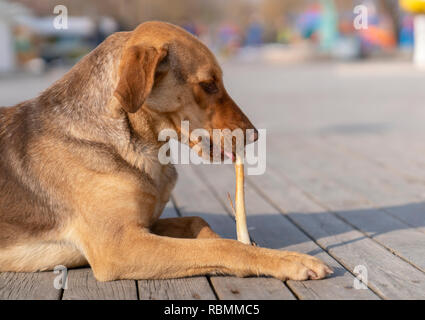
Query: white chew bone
pixel 241 227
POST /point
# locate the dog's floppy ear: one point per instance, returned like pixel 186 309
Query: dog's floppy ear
pixel 137 75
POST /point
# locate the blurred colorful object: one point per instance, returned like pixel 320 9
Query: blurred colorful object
pixel 414 6
pixel 406 32
pixel 417 7
pixel 308 22
pixel 379 36
pixel 328 25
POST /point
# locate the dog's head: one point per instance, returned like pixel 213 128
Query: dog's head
pixel 170 74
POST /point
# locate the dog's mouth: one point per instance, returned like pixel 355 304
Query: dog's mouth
pixel 215 153
pixel 229 154
pixel 224 154
pixel 220 150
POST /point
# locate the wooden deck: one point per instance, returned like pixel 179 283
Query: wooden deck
pixel 345 182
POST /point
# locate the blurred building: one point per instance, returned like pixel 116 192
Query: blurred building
pixel 30 41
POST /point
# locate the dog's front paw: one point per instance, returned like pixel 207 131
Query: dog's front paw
pixel 298 266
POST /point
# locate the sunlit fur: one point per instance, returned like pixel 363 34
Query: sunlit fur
pixel 80 179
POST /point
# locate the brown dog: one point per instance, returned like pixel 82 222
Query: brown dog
pixel 80 179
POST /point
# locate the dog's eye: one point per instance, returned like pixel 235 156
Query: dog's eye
pixel 209 87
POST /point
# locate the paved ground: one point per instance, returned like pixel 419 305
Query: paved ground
pixel 345 181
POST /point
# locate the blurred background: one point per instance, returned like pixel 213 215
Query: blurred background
pixel 278 31
pixel 297 66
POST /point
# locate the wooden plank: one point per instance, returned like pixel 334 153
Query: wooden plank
pixel 389 276
pixel 399 153
pixel 82 285
pixel 247 288
pixel 194 198
pixel 270 229
pixel 389 190
pixel 399 163
pixel 28 286
pixel 196 288
pixel 332 187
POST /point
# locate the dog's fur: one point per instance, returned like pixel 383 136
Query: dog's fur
pixel 80 179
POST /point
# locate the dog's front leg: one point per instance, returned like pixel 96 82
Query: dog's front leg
pixel 137 254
